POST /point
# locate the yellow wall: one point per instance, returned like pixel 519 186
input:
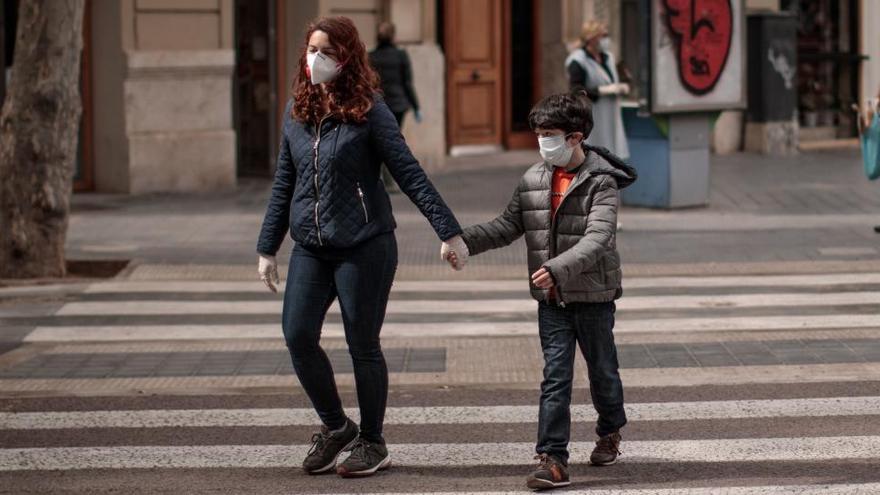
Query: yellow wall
pixel 181 24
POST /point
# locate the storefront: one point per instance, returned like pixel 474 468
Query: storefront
pixel 829 66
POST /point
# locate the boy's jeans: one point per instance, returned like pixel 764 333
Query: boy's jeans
pixel 589 325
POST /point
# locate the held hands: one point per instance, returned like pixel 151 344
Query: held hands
pixel 267 267
pixel 543 279
pixel 455 252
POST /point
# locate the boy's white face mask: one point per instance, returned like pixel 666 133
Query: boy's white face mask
pixel 321 67
pixel 555 150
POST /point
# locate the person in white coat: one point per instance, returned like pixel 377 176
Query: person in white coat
pixel 592 67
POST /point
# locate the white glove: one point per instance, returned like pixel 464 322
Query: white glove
pixel 267 267
pixel 455 252
pixel 609 89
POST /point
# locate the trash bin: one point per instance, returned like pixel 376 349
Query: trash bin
pixel 772 83
pixel 671 155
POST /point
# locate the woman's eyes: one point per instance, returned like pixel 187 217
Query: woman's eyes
pixel 329 53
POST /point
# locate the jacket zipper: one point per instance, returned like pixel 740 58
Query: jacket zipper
pixel 317 188
pixel 573 185
pixel 363 204
pixel 553 248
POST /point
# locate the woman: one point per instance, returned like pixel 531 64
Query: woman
pixel 395 72
pixel 327 191
pixel 592 67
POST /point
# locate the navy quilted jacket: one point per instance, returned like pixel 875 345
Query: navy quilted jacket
pixel 328 190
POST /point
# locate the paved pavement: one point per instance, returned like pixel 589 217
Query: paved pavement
pixel 817 206
pixel 746 371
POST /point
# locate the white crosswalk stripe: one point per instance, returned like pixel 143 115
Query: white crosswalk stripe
pixel 476 306
pixel 73 333
pixel 829 280
pixel 652 411
pixel 436 455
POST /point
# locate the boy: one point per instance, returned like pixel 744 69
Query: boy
pixel 566 206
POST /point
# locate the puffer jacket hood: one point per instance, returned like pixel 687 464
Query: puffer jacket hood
pixel 610 164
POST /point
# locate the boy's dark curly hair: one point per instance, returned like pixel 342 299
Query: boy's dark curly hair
pixel 571 112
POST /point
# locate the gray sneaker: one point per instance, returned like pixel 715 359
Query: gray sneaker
pixel 366 458
pixel 327 446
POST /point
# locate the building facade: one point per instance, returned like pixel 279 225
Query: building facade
pixel 187 95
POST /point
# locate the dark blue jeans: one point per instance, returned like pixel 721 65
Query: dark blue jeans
pixel 589 326
pixel 360 278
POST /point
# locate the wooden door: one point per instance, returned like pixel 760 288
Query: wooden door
pixel 473 32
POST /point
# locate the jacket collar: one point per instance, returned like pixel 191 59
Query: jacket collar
pixel 589 168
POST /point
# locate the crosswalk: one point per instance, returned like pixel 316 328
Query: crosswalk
pixel 735 384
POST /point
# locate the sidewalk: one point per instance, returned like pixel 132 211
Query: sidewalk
pixel 811 212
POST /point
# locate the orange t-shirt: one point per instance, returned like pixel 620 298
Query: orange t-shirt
pixel 562 179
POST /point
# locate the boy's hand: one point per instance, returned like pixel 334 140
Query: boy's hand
pixel 543 278
pixel 455 252
pixel 453 261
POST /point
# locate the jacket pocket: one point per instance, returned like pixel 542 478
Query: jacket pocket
pixel 360 193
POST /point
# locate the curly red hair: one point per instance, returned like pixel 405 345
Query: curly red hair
pixel 352 90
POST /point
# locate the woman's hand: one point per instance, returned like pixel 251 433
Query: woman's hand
pixel 267 267
pixel 543 278
pixel 455 252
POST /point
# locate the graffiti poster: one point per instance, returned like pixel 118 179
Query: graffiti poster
pixel 698 55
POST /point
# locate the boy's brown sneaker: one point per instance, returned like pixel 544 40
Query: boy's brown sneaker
pixel 550 474
pixel 606 451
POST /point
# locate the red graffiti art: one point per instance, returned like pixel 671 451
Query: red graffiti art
pixel 702 30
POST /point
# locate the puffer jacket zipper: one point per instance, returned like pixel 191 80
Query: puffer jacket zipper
pixel 552 250
pixel 363 203
pixel 317 187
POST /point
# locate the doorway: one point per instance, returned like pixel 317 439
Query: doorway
pixel 253 95
pixel 492 76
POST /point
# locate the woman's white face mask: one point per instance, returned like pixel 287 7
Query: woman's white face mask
pixel 321 67
pixel 555 150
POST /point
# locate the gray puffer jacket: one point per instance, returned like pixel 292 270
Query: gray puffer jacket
pixel 578 246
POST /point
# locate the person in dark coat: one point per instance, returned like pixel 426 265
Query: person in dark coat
pixel 327 193
pixel 395 73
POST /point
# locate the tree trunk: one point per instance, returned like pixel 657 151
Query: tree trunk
pixel 39 133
